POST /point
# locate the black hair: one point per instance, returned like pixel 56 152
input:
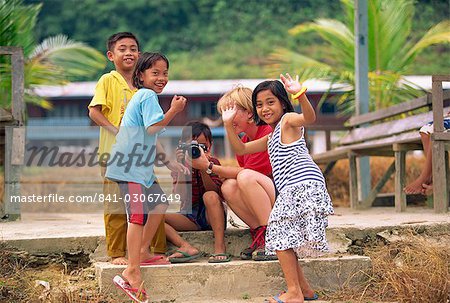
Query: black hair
pixel 146 61
pixel 277 89
pixel 194 129
pixel 112 40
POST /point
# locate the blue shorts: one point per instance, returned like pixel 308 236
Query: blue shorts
pixel 428 128
pixel 198 217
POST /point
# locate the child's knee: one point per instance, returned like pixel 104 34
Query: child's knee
pixel 160 208
pixel 211 198
pixel 229 188
pixel 245 177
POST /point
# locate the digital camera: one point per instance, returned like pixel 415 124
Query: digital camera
pixel 193 148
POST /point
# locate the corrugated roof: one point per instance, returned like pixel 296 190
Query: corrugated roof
pixel 205 87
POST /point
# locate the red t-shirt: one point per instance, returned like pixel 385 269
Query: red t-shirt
pixel 257 161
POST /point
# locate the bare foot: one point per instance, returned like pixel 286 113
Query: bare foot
pixel 310 293
pixel 427 189
pixel 219 248
pixel 414 187
pixel 133 276
pixel 146 255
pixel 119 261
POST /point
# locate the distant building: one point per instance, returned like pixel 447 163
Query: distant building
pixel 70 109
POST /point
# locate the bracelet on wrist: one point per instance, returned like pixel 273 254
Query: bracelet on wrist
pixel 299 94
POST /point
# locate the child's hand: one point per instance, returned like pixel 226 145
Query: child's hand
pixel 202 162
pixel 292 86
pixel 180 155
pixel 229 111
pixel 177 167
pixel 178 103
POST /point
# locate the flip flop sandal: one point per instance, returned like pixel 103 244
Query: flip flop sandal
pixel 186 257
pixel 313 298
pixel 212 259
pixel 277 299
pixel 155 260
pixel 138 295
pixel 260 255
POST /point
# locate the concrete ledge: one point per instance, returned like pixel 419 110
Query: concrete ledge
pixel 339 239
pixel 48 246
pixel 237 279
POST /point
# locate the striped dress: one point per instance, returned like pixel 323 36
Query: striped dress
pixel 299 217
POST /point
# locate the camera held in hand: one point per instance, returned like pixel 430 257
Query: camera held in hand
pixel 193 148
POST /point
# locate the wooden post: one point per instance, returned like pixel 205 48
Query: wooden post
pixel 400 164
pixel 362 86
pixel 14 137
pixel 440 190
pixel 353 180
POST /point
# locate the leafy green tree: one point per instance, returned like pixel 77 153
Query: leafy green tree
pixel 391 52
pixel 54 61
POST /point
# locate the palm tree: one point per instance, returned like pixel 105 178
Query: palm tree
pixel 54 61
pixel 390 53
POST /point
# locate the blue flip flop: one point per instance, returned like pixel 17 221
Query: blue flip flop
pixel 313 298
pixel 277 298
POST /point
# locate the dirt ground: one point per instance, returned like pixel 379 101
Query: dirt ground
pixel 408 267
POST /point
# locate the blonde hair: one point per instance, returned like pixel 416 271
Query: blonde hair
pixel 241 96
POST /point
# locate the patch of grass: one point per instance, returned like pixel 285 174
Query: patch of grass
pixel 413 269
pixel 20 282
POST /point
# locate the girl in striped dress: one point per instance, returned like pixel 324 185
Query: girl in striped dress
pixel 297 223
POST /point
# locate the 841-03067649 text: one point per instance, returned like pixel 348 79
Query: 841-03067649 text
pixel 96 198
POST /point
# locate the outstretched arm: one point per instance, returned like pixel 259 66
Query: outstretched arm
pixel 308 114
pixel 228 113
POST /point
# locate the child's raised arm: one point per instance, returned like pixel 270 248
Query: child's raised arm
pixel 308 114
pixel 228 113
pixel 177 105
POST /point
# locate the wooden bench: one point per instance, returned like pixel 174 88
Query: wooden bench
pixel 390 132
pixel 12 135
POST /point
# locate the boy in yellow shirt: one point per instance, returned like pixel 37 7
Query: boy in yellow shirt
pixel 112 93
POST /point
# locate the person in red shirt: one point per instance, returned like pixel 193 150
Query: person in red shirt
pixel 248 189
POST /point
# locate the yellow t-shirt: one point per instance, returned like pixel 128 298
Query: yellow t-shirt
pixel 112 93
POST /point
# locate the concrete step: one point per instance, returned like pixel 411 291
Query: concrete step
pixel 235 280
pixel 235 239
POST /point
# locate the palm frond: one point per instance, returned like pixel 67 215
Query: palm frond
pixel 74 58
pixel 33 98
pixel 17 23
pixel 334 32
pixel 440 33
pixel 389 27
pixel 283 60
pixel 390 52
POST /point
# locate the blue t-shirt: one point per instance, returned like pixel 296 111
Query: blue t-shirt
pixel 133 155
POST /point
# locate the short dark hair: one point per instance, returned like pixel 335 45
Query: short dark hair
pixel 194 129
pixel 112 40
pixel 277 88
pixel 145 61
